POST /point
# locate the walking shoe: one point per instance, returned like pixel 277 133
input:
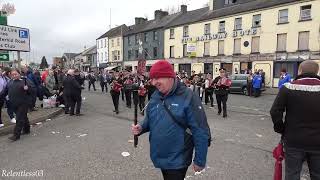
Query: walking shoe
pixel 14 138
pixel 224 115
pixel 1 125
pixel 13 120
pixel 61 106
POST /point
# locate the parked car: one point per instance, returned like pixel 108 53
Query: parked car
pixel 239 84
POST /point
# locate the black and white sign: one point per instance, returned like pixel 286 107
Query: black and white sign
pixel 14 38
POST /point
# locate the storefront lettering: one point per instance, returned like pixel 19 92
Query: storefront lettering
pixel 235 34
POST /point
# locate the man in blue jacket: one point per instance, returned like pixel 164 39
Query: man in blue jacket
pixel 284 78
pixel 257 83
pixel 171 107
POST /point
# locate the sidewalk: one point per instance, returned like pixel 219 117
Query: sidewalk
pixel 271 91
pixel 34 117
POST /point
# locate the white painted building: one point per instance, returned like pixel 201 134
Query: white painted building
pixel 102 51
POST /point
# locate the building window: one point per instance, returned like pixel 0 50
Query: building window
pixel 115 55
pixel 155 52
pixel 136 38
pixel 256 20
pixel 305 12
pixel 291 67
pixel 118 41
pixel 112 43
pixel 171 51
pixel 101 45
pixel 145 35
pixel 281 42
pixel 283 16
pixel 185 31
pixel 221 47
pixel 101 57
pixel 222 26
pixel 303 41
pixel 207 29
pixel 185 50
pixel 129 42
pixel 137 54
pixel 206 49
pixel 155 35
pixel 105 56
pixel 146 53
pixel 237 46
pixel 227 2
pixel 238 24
pixel 255 44
pixel 105 43
pixel 97 44
pixel 129 54
pixel 171 33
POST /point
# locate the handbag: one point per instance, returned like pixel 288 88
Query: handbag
pixel 183 126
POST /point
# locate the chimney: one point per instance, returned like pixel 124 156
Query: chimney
pixel 159 14
pixel 140 20
pixel 184 8
pixel 211 4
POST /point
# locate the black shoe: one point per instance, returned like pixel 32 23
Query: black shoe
pixel 66 112
pixel 14 138
pixel 117 112
pixel 224 115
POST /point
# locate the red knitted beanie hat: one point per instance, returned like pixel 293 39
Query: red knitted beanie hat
pixel 162 69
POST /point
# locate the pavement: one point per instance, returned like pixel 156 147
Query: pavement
pixel 91 146
pixel 37 116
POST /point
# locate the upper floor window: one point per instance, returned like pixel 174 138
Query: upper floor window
pixel 97 44
pixel 256 20
pixel 136 38
pixel 186 31
pixel 226 2
pixel 255 44
pixel 129 41
pixel 118 41
pixel 222 26
pixel 171 51
pixel 171 33
pixel 207 29
pixel 238 24
pixel 305 12
pixel 283 16
pixel 145 35
pixel 105 42
pixel 303 41
pixel 112 43
pixel 155 52
pixel 281 42
pixel 155 35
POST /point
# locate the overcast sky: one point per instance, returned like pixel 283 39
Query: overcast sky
pixel 58 26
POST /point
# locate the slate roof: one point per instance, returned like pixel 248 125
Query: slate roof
pixel 91 50
pixel 114 32
pixel 70 55
pixel 244 7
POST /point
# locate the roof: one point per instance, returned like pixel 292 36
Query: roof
pixel 70 55
pixel 117 31
pixel 188 17
pixel 91 50
pixel 244 7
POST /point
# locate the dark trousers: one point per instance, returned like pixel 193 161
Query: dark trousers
pixel 122 94
pixel 256 92
pixel 294 159
pixel 142 100
pixel 222 99
pixel 22 120
pixel 249 89
pixel 208 95
pixel 174 174
pixel 9 109
pixel 104 85
pixel 66 104
pixel 73 101
pixel 1 105
pixel 93 84
pixel 128 97
pixel 115 99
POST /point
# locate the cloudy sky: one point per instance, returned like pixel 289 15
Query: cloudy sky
pixel 58 26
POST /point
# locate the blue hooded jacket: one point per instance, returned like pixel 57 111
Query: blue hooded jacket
pixel 257 81
pixel 285 79
pixel 170 146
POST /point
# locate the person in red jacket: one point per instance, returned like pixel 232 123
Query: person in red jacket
pixel 44 75
pixel 115 93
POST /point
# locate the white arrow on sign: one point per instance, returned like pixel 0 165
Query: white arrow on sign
pixel 4 57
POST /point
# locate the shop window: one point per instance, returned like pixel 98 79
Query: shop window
pixel 282 42
pixel 221 47
pixel 186 68
pixel 291 67
pixel 303 44
pixel 237 46
pixel 208 68
pixel 255 44
pixel 206 49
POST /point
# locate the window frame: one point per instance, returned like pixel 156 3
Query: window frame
pixel 253 21
pixel 220 26
pixel 185 31
pixel 235 23
pixel 207 29
pixel 280 17
pixel 171 34
pixel 307 18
